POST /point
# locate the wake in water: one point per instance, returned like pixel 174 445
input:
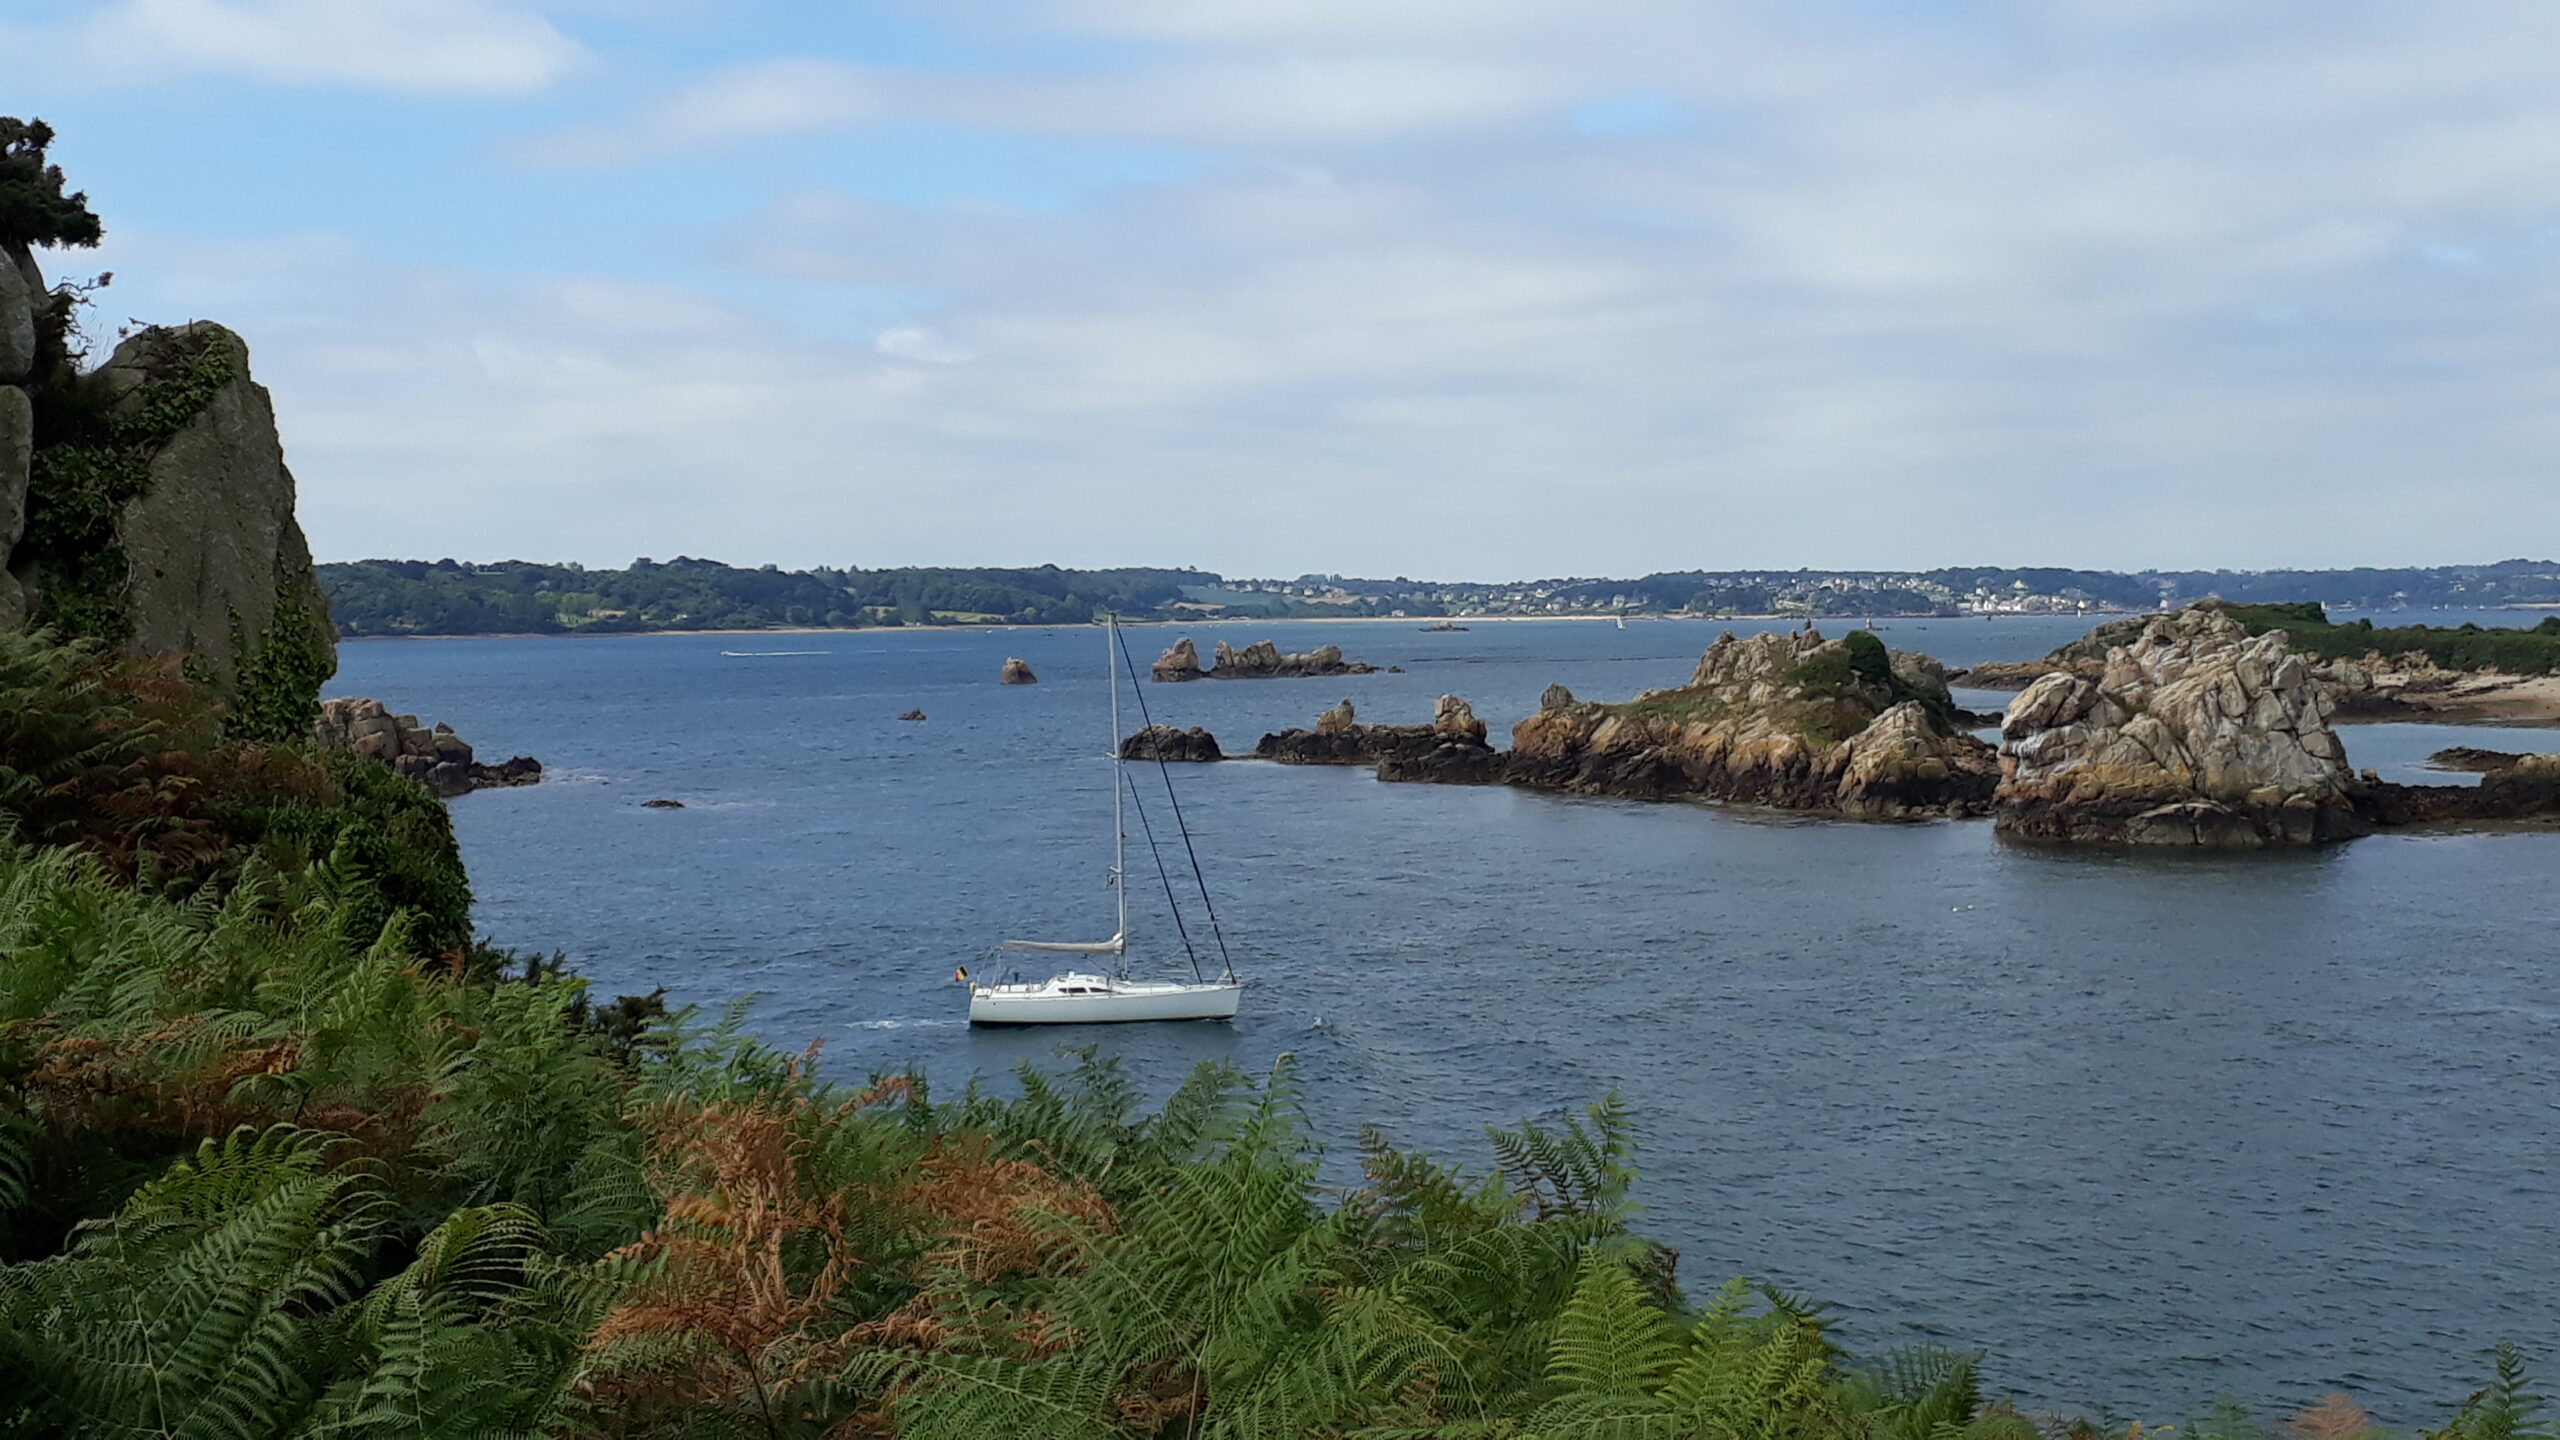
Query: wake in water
pixel 766 654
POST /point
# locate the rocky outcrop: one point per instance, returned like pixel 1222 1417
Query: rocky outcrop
pixel 219 570
pixel 1555 697
pixel 18 299
pixel 2473 759
pixel 1017 672
pixel 1451 747
pixel 437 758
pixel 158 515
pixel 2084 657
pixel 1163 742
pixel 2526 790
pixel 1180 661
pixel 2193 734
pixel 1260 660
pixel 1454 719
pixel 911 715
pixel 1790 720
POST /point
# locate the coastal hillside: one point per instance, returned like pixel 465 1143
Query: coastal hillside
pixel 450 597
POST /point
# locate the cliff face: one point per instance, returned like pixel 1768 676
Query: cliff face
pixel 147 504
pixel 219 568
pixel 1790 720
pixel 2192 734
pixel 17 418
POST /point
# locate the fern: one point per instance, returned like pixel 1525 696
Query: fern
pixel 2506 1410
pixel 188 1313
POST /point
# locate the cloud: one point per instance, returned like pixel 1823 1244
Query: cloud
pixel 2138 282
pixel 914 342
pixel 483 47
pixel 734 103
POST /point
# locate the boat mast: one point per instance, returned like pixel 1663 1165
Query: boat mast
pixel 1119 784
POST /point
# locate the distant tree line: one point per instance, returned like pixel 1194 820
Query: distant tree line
pixel 447 597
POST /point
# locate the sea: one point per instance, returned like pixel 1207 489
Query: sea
pixel 2144 1128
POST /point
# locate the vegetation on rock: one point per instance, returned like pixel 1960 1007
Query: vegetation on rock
pixel 2534 651
pixel 132 765
pixel 93 459
pixel 34 210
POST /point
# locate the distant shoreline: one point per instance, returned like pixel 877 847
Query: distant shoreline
pixel 1417 621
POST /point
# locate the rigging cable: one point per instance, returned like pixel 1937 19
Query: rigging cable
pixel 1120 776
pixel 1166 772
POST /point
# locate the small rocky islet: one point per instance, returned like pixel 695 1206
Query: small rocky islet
pixel 1261 660
pixel 436 758
pixel 2178 730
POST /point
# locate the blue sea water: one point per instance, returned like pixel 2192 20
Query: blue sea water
pixel 2148 1128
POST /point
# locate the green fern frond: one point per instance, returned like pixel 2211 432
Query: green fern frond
pixel 2507 1410
pixel 1609 1341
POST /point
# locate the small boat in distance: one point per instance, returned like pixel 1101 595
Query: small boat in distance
pixel 1079 997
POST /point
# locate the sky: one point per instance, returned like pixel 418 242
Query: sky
pixel 1448 288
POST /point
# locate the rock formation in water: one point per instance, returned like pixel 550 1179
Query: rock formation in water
pixel 2085 657
pixel 1452 743
pixel 1790 720
pixel 1017 672
pixel 2193 733
pixel 1453 719
pixel 1164 742
pixel 1180 661
pixel 911 715
pixel 2474 759
pixel 2527 789
pixel 437 758
pixel 1260 660
pixel 1555 697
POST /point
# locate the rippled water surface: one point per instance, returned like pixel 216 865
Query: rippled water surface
pixel 2147 1127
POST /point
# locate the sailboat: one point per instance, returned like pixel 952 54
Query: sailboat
pixel 1077 997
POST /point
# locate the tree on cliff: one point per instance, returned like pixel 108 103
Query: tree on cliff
pixel 33 209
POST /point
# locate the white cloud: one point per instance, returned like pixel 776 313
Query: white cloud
pixel 728 105
pixel 484 47
pixel 914 342
pixel 2139 282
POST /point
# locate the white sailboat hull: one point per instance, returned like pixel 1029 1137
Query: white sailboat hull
pixel 1101 1000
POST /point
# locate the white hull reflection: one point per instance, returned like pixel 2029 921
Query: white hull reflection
pixel 1074 999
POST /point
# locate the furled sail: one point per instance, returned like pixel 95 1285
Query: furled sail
pixel 1113 946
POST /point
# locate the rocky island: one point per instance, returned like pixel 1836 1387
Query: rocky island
pixel 1791 720
pixel 2200 729
pixel 1260 660
pixel 1787 719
